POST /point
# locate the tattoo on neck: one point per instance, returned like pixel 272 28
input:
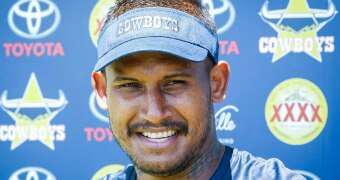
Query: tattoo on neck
pixel 207 160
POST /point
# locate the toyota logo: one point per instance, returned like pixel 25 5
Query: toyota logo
pixel 35 16
pixel 226 7
pixel 32 173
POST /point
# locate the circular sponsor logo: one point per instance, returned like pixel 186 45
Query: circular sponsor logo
pixel 98 17
pixel 96 111
pixel 296 111
pixel 33 173
pixel 34 14
pixel 226 10
pixel 109 169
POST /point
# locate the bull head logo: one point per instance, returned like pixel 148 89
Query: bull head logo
pixel 302 12
pixel 298 40
pixel 33 98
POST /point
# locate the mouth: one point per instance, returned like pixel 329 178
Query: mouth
pixel 165 136
pixel 159 137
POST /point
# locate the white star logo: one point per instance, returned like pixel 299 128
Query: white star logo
pixel 38 128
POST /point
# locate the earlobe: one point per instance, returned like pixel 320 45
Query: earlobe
pixel 99 85
pixel 219 76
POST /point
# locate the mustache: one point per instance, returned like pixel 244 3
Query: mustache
pixel 144 125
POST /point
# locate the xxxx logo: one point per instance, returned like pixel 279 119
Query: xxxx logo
pixel 27 128
pixel 301 108
pixel 291 37
pixel 296 111
pixel 98 17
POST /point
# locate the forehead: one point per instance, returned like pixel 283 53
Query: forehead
pixel 152 61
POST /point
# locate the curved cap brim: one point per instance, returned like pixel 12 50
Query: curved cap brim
pixel 171 46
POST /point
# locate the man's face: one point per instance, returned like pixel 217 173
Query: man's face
pixel 160 110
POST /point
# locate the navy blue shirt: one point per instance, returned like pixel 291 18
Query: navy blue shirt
pixel 234 164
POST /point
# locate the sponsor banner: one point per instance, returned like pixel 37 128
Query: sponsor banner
pixel 300 36
pixel 36 49
pixel 34 173
pixel 98 134
pixel 33 20
pixel 296 111
pixel 34 15
pixel 224 123
pixel 308 175
pixel 226 12
pixel 109 169
pixel 98 18
pixel 299 113
pixel 95 110
pixel 224 15
pixel 227 47
pixel 38 127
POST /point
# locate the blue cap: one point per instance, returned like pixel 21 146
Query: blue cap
pixel 156 29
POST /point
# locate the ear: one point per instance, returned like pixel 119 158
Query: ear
pixel 99 85
pixel 219 76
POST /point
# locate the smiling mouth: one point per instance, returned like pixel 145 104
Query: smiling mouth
pixel 159 136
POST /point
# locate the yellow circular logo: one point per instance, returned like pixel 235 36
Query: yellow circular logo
pixel 296 111
pixel 113 168
pixel 98 17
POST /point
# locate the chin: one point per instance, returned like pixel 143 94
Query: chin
pixel 162 168
pixel 159 165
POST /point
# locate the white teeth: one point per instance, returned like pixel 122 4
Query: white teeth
pixel 160 136
pixel 153 135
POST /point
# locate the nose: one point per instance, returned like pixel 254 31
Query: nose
pixel 155 108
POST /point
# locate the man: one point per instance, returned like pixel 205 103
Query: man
pixel 158 76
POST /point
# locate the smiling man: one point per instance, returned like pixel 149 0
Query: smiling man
pixel 158 76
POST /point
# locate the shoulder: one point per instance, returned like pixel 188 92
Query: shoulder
pixel 245 166
pixel 124 174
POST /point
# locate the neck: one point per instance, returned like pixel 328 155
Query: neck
pixel 203 168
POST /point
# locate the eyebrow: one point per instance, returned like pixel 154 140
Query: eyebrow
pixel 174 75
pixel 120 79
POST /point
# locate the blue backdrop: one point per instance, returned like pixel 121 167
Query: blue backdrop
pixel 282 100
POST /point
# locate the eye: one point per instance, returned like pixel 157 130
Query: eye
pixel 175 84
pixel 130 85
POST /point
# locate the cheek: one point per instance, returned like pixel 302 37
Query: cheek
pixel 118 112
pixel 122 111
pixel 192 106
pixel 198 103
